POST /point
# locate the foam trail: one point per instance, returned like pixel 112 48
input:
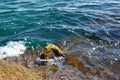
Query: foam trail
pixel 13 48
pixel 56 60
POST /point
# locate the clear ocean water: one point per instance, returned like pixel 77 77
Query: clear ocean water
pixel 41 21
pixel 37 22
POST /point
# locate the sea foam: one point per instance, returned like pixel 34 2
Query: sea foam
pixel 12 48
pixel 55 61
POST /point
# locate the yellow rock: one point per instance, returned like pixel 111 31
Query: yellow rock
pixel 51 48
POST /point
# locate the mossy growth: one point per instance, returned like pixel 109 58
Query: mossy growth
pixel 48 49
pixel 75 62
pixel 12 71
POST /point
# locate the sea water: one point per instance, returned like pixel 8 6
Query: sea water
pixel 29 24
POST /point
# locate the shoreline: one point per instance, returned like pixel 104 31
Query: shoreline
pixel 72 67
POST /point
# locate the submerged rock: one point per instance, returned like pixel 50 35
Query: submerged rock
pixel 75 67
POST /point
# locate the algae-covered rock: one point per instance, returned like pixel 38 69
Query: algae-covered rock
pixel 12 71
pixel 75 67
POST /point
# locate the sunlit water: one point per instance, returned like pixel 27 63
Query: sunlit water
pixel 33 23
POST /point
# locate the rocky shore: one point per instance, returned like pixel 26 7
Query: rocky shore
pixel 23 67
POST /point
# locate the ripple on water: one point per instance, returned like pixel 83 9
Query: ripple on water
pixel 93 23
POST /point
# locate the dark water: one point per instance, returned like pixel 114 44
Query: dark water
pixel 37 22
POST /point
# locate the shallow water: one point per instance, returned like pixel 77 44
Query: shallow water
pixel 88 28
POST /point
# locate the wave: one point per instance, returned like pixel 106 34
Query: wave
pixel 12 48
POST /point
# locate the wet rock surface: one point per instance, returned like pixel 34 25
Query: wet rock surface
pixel 74 68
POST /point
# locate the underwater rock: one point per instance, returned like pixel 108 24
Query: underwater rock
pixel 73 67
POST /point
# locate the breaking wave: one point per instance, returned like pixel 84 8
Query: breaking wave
pixel 12 48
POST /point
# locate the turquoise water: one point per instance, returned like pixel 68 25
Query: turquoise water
pixel 37 22
pixel 46 21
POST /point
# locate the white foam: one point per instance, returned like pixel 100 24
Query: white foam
pixel 57 61
pixel 13 48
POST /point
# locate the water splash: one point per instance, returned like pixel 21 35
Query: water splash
pixel 13 48
pixel 55 61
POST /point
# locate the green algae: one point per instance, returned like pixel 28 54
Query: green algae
pixel 12 71
pixel 75 62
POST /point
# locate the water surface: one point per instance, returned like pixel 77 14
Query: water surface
pixel 37 22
